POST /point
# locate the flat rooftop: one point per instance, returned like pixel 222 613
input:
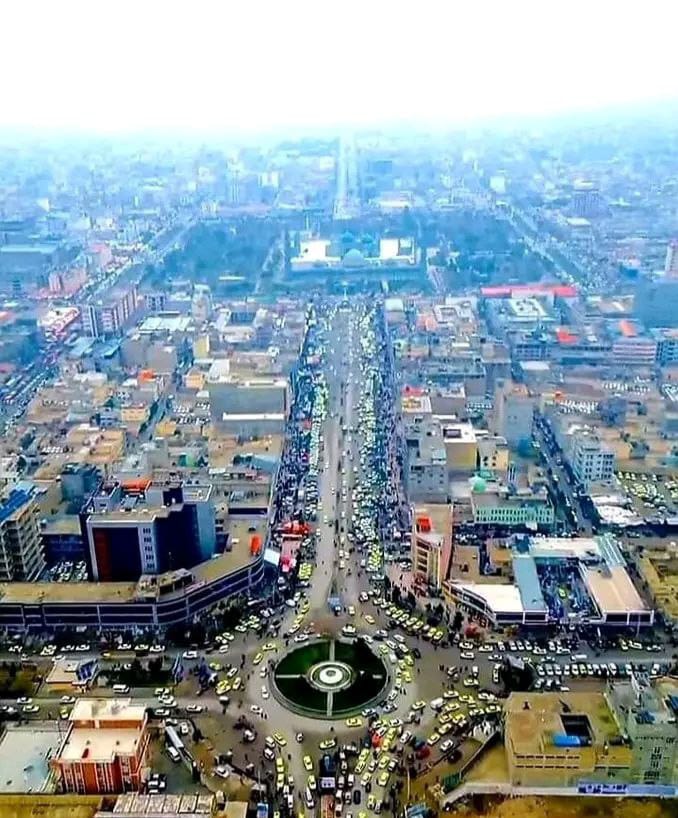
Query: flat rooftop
pixel 165 323
pixel 91 592
pixel 224 448
pixel 76 592
pixel 660 570
pixel 525 307
pixel 239 555
pixel 56 806
pixel 500 597
pixel 438 513
pixel 62 524
pixel 494 498
pixel 108 709
pixel 24 754
pixel 459 433
pixel 99 744
pixel 612 590
pixel 533 718
pixel 564 548
pixel 416 404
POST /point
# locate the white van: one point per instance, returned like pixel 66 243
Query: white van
pixel 121 688
pixel 437 704
pixel 173 753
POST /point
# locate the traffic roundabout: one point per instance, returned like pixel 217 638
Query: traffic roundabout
pixel 329 678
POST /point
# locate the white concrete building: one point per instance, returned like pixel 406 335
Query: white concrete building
pixel 591 461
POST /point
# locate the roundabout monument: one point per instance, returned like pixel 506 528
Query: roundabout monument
pixel 329 678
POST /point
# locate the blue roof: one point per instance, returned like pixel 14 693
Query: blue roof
pixel 610 550
pixel 527 580
pixel 16 499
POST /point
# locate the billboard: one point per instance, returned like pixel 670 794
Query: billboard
pixel 636 790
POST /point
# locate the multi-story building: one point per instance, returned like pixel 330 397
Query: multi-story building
pixel 105 748
pixel 636 350
pixel 531 346
pixel 155 529
pixel 646 713
pixel 461 446
pixel 28 263
pixel 514 408
pixel 201 304
pixel 62 539
pixel 667 346
pixel 659 569
pixel 562 739
pixel 521 508
pixel 21 554
pixel 109 316
pixel 671 262
pixel 432 543
pixel 590 459
pixel 493 454
pixel 426 463
pixel 586 199
pixel 233 396
pixel 155 302
pixel 518 314
pixel 656 301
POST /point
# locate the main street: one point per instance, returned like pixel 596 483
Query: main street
pixel 435 669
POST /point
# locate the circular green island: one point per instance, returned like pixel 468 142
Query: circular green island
pixel 329 678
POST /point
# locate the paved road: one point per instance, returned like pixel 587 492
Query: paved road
pixel 563 483
pixel 325 551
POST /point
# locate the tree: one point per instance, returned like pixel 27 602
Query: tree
pixel 155 667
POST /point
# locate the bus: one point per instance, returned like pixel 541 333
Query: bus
pixel 173 739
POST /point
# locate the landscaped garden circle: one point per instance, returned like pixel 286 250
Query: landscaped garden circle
pixel 329 678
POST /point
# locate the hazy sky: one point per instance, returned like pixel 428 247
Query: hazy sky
pixel 248 65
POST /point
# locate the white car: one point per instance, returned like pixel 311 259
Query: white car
pixel 264 692
pixel 190 654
